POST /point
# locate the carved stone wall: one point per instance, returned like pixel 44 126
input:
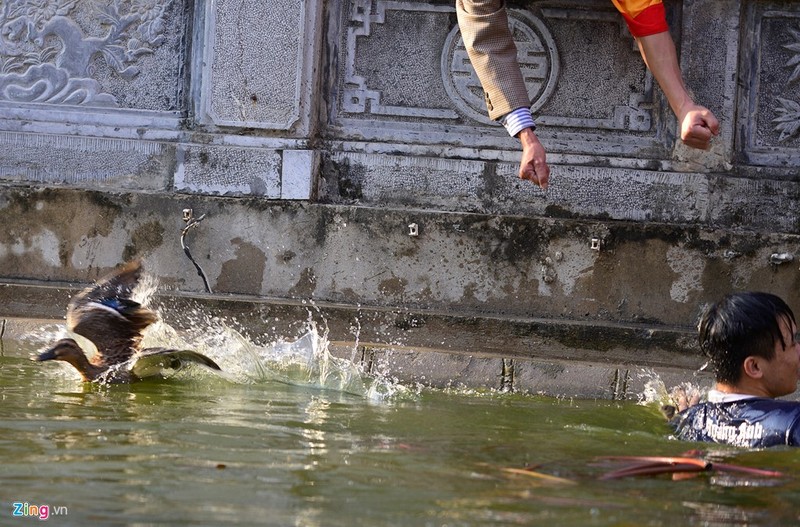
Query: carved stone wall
pixel 232 97
pixel 155 94
pixel 770 102
pixel 369 112
pixel 407 124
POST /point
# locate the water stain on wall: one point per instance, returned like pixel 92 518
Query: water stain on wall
pixel 245 273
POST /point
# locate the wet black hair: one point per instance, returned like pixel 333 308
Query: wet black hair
pixel 741 325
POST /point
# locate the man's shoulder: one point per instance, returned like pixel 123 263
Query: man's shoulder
pixel 767 404
pixel 749 422
pixel 755 405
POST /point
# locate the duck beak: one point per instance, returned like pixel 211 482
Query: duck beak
pixel 47 355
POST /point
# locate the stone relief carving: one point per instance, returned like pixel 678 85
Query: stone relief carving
pixel 358 97
pixel 788 119
pixel 536 53
pixel 633 114
pixel 46 56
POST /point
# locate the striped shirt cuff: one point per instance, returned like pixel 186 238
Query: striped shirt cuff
pixel 517 120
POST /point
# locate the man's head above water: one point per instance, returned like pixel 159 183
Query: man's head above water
pixel 749 339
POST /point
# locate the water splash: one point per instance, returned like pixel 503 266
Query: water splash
pixel 304 361
pixel 656 393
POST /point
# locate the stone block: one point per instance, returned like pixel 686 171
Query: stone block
pixel 84 162
pixel 376 178
pixel 228 171
pixel 258 59
pixel 298 174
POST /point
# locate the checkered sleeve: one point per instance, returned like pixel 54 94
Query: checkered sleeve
pixel 493 54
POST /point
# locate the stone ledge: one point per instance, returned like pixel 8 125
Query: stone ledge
pixel 555 378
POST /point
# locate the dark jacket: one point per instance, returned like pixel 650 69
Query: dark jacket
pixel 754 423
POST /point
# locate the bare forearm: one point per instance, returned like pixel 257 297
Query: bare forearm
pixel 658 52
pixel 697 124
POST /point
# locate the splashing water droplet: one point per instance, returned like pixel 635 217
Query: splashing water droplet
pixel 304 361
pixel 656 393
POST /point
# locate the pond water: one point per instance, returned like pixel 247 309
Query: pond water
pixel 292 436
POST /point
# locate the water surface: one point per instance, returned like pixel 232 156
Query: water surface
pixel 294 437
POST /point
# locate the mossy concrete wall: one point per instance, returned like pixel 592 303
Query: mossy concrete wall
pixel 613 296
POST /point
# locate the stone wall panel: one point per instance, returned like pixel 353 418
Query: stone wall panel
pixel 230 171
pixel 108 54
pixel 404 75
pixel 769 107
pixel 257 62
pixel 85 162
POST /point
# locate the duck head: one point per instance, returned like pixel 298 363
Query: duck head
pixel 67 350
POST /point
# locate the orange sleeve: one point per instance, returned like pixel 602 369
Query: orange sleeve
pixel 644 17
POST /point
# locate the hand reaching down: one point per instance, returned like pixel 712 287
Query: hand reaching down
pixel 533 166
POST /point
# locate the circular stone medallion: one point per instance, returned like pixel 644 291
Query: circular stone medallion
pixel 536 53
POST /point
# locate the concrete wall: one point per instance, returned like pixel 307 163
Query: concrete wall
pixel 341 154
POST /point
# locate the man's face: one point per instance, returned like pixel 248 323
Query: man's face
pixel 782 373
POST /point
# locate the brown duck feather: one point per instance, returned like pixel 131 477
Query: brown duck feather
pixel 106 314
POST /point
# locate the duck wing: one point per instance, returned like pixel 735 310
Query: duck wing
pixel 106 314
pixel 152 362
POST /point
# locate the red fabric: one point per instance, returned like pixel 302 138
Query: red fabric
pixel 649 22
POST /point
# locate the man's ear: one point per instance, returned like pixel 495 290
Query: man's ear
pixel 752 367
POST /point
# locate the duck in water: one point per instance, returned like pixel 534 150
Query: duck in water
pixel 106 314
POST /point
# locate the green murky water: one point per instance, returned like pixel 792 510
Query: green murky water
pixel 292 437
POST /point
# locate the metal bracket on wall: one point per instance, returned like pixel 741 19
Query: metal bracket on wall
pixel 780 258
pixel 619 385
pixel 507 376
